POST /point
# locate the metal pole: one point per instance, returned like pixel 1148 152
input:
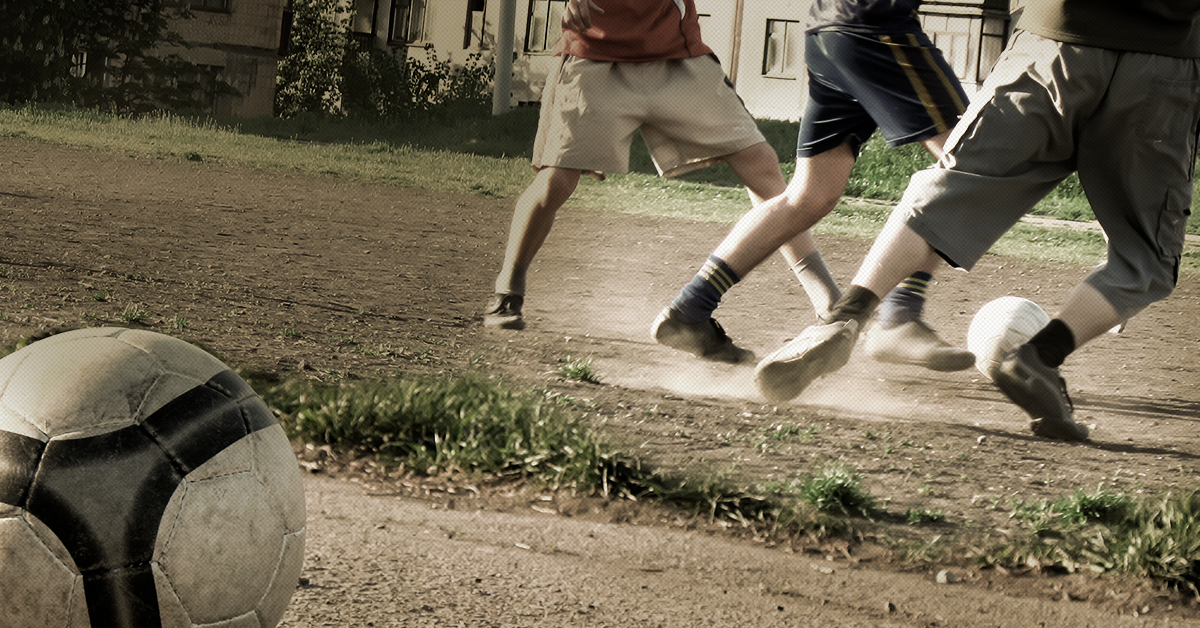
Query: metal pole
pixel 505 26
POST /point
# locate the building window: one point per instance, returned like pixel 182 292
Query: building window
pixel 363 22
pixel 473 35
pixel 203 5
pixel 408 22
pixel 783 56
pixel 545 24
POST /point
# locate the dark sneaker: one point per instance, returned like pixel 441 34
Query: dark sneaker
pixel 1041 392
pixel 706 339
pixel 818 350
pixel 504 311
pixel 916 343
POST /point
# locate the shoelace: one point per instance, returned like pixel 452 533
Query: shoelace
pixel 1062 386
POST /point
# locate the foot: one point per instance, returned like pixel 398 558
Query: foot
pixel 917 344
pixel 705 339
pixel 1041 392
pixel 818 350
pixel 504 312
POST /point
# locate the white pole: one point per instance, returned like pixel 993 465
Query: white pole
pixel 505 26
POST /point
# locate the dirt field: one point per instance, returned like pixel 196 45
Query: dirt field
pixel 330 279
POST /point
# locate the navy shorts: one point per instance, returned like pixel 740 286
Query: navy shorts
pixel 899 83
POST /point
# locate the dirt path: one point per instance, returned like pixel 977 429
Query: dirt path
pixel 331 279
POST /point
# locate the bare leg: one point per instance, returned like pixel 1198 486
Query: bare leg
pixel 1088 314
pixel 532 219
pixel 786 218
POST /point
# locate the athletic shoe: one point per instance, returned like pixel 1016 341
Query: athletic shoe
pixel 818 350
pixel 1041 392
pixel 504 311
pixel 706 339
pixel 916 343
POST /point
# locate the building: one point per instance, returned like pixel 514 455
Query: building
pixel 237 41
pixel 759 42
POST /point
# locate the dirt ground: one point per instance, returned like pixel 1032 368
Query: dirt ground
pixel 331 279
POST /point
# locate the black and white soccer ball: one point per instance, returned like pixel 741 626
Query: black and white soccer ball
pixel 1000 327
pixel 142 483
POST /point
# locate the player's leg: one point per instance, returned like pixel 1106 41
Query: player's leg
pixel 1019 149
pixel 781 222
pixel 583 127
pixel 704 132
pixel 900 334
pixel 532 220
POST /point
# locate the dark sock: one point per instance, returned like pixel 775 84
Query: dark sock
pixel 1054 343
pixel 905 302
pixel 857 304
pixel 700 297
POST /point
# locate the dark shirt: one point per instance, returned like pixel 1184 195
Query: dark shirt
pixel 865 16
pixel 1164 27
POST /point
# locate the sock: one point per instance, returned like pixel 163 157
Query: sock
pixel 1054 343
pixel 857 304
pixel 905 302
pixel 818 283
pixel 512 279
pixel 700 297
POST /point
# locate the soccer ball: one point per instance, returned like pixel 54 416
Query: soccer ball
pixel 142 483
pixel 1000 327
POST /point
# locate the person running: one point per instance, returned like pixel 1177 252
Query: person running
pixel 1106 89
pixel 625 65
pixel 870 66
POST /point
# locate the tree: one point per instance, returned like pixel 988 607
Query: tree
pixel 310 77
pixel 119 55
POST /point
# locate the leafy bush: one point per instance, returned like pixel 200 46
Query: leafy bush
pixel 383 84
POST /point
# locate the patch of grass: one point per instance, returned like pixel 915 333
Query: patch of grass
pixel 579 370
pixel 838 488
pixel 918 516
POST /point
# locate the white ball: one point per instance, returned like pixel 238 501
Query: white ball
pixel 142 483
pixel 1000 327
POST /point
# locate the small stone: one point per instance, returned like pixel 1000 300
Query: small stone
pixel 946 576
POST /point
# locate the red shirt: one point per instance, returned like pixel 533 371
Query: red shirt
pixel 637 31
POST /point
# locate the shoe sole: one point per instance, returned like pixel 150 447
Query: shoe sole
pixel 785 374
pixel 1017 386
pixel 948 363
pixel 504 322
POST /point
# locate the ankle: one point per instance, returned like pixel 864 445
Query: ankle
pixel 857 304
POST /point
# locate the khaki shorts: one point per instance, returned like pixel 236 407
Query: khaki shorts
pixel 689 114
pixel 1125 121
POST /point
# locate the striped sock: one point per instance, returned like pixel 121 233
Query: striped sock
pixel 905 302
pixel 700 297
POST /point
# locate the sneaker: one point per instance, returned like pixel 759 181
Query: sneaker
pixel 705 339
pixel 1041 392
pixel 504 311
pixel 818 350
pixel 916 343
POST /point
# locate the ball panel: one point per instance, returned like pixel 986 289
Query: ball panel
pixel 103 398
pixel 283 585
pixel 11 421
pixel 249 620
pixel 276 467
pixel 170 609
pixel 196 426
pixel 225 524
pixel 37 586
pixel 19 457
pixel 103 496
